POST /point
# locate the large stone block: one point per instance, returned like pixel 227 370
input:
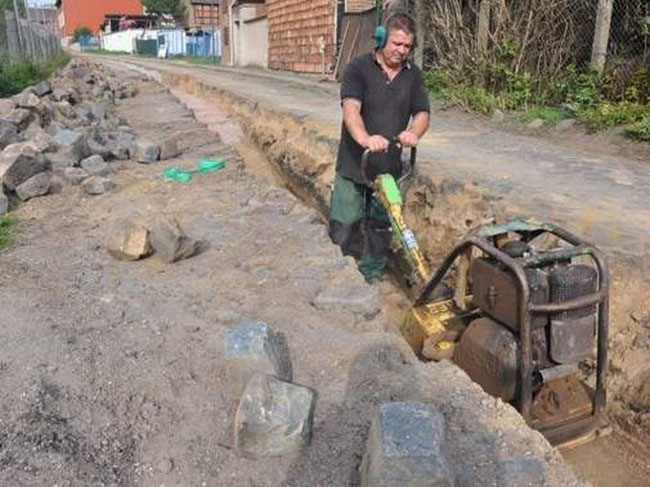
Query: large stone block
pixel 37 185
pixel 61 94
pixel 97 185
pixel 20 117
pixel 62 158
pixel 145 152
pixel 18 163
pixel 27 99
pixel 74 175
pixel 255 348
pixel 274 417
pixel 8 134
pixel 38 138
pixel 121 147
pixel 95 166
pixel 170 242
pixel 43 88
pixel 6 105
pixel 94 148
pixel 169 149
pixel 64 112
pixel 128 241
pixel 356 298
pixel 70 140
pixel 406 448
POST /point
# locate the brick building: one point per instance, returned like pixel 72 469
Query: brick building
pixel 203 14
pixel 304 34
pixel 90 13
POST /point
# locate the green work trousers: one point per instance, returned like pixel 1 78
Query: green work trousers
pixel 360 226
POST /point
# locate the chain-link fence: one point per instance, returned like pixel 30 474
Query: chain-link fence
pixel 538 37
pixel 629 42
pixel 32 35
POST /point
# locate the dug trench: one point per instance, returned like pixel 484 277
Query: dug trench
pixel 441 212
pixel 113 372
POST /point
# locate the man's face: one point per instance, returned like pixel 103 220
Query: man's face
pixel 398 47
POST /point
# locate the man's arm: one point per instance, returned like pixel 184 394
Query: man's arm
pixel 419 126
pixel 356 127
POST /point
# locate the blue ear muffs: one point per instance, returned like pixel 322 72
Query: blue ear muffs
pixel 381 37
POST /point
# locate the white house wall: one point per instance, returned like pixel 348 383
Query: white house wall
pixel 251 37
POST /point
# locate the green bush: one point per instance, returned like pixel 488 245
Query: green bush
pixel 608 114
pixel 15 77
pixel 594 98
pixel 80 32
pixel 641 129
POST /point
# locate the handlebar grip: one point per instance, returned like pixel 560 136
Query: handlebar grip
pixel 366 156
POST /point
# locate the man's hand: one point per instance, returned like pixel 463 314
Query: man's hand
pixel 408 139
pixel 376 143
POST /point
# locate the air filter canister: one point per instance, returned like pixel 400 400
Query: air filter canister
pixel 572 332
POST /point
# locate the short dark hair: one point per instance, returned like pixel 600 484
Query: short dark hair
pixel 401 21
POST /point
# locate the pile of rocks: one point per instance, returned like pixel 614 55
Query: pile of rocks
pixel 67 127
pixel 273 415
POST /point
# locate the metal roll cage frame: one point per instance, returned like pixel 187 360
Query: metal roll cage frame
pixel 524 395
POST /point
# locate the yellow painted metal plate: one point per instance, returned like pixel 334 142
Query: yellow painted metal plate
pixel 435 320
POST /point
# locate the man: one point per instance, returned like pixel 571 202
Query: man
pixel 384 100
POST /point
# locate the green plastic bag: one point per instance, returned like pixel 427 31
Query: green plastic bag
pixel 186 175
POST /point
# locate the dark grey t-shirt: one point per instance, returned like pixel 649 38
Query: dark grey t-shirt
pixel 386 109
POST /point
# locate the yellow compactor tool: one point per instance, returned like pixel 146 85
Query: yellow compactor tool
pixel 530 313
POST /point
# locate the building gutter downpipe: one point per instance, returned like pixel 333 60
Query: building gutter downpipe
pixel 231 36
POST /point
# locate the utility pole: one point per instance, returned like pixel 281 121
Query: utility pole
pixel 483 27
pixel 419 27
pixel 213 41
pixel 601 34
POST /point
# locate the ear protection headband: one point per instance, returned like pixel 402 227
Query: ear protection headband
pixel 381 32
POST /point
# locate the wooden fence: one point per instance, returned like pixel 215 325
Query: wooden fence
pixel 21 39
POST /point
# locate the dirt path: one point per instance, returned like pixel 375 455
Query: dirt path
pixel 627 345
pixel 113 372
pixel 572 180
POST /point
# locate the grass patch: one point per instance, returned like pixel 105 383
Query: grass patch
pixel 550 115
pixel 109 53
pixel 195 60
pixel 7 231
pixel 15 77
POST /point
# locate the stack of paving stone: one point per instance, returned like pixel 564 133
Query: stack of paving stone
pixel 66 128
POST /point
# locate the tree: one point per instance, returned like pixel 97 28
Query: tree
pixel 175 8
pixel 80 32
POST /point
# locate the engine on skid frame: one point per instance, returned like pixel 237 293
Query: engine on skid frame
pixel 530 305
